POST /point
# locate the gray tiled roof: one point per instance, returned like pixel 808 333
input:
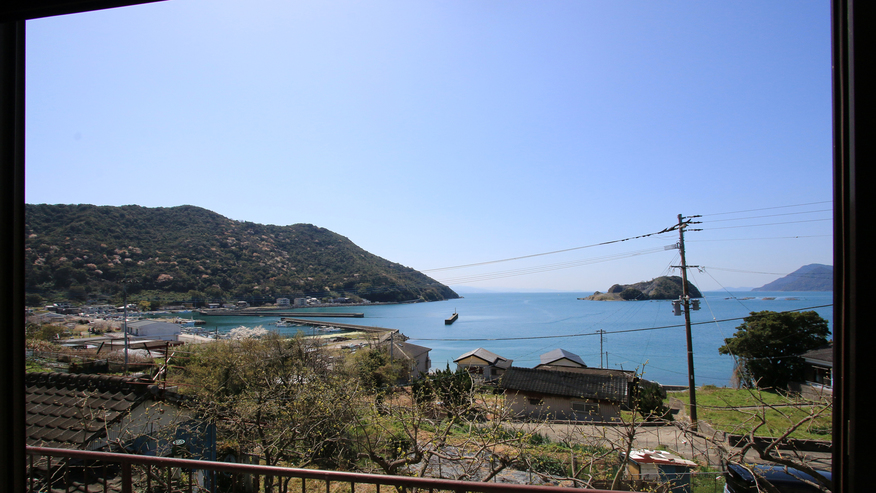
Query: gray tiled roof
pixel 603 384
pixel 69 410
pixel 823 355
pixel 489 357
pixel 411 350
pixel 558 354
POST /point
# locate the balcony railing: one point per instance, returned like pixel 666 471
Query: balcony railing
pixel 63 470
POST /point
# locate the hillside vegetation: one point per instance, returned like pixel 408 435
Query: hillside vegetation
pixel 187 253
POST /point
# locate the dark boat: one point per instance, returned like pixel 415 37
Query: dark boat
pixel 451 319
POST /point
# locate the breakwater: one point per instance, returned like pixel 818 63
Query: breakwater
pixel 361 328
pixel 268 313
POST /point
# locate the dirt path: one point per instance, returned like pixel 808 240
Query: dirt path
pixel 669 437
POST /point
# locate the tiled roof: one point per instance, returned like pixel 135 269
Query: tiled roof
pixel 558 354
pixel 69 410
pixel 489 357
pixel 822 355
pixel 411 350
pixel 605 385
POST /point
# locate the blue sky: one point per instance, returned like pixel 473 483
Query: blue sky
pixel 444 133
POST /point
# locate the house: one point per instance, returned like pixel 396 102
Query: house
pixel 416 356
pixel 560 359
pixel 661 467
pixel 583 395
pixel 283 302
pixel 148 345
pixel 818 373
pixel 483 365
pixel 155 329
pixel 242 304
pixel 100 412
pixel 111 413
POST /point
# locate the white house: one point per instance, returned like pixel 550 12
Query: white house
pixel 155 329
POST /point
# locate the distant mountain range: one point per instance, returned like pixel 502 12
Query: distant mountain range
pixel 81 252
pixel 812 277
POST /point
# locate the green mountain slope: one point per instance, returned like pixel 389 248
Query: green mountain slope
pixel 812 277
pixel 186 252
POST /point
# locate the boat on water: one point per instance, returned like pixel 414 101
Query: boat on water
pixel 283 323
pixel 449 320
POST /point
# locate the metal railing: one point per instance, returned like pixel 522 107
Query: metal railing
pixel 62 470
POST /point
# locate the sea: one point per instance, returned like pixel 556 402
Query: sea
pixel 629 335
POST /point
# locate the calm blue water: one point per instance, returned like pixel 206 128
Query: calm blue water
pixel 499 322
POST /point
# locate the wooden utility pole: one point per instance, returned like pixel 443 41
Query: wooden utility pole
pixel 685 299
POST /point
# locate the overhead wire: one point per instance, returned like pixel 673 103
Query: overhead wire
pixel 531 338
pixel 543 268
pixel 665 230
pixel 762 238
pixel 768 215
pixel 769 224
pixel 768 208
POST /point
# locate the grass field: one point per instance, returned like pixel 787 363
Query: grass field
pixel 738 411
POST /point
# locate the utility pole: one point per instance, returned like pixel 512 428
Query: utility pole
pixel 125 320
pixel 685 299
pixel 600 332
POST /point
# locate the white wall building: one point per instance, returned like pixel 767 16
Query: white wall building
pixel 155 329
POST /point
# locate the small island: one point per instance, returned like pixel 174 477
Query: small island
pixel 661 288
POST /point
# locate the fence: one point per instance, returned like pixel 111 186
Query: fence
pixel 62 470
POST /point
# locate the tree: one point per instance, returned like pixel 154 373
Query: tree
pixel 375 370
pixel 452 388
pixel 632 294
pixel 768 346
pixel 271 396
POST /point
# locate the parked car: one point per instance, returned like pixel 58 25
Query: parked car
pixel 740 479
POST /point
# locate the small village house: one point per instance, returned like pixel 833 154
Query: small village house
pixel 111 413
pixel 818 373
pixel 155 329
pixel 582 395
pixel 560 359
pixel 483 365
pixel 661 467
pixel 416 357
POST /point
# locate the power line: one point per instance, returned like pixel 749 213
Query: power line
pixel 666 230
pixel 768 208
pixel 814 276
pixel 530 338
pixel 770 224
pixel 766 238
pixel 769 215
pixel 544 268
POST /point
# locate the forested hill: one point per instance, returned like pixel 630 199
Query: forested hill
pixel 812 277
pixel 83 252
pixel 661 288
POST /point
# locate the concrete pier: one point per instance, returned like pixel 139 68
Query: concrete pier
pixel 266 313
pixel 362 328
